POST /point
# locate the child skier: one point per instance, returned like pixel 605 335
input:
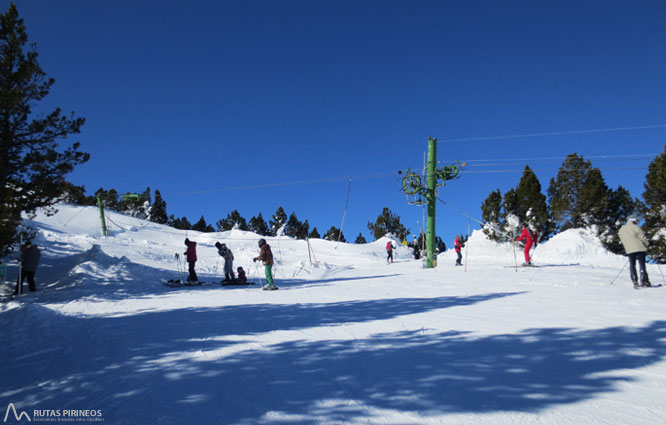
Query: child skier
pixel 228 261
pixel 191 256
pixel 266 256
pixel 242 278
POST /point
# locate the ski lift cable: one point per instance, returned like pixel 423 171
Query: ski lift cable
pixel 553 158
pixel 554 133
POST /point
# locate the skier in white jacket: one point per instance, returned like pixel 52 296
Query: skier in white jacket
pixel 635 245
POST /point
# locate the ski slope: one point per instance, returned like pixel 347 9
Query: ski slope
pixel 347 339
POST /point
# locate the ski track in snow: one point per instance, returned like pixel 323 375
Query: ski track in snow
pixel 353 341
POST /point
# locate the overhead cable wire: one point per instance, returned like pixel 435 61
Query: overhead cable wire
pixel 554 133
pixel 553 158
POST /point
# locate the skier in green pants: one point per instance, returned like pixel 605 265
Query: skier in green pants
pixel 266 255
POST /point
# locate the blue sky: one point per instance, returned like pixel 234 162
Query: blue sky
pixel 252 105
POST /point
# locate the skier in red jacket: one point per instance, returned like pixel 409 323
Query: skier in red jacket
pixel 191 257
pixel 530 240
pixel 457 246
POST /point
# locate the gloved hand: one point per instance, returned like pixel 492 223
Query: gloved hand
pixel 254 260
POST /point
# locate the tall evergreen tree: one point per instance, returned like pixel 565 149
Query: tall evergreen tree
pixel 258 225
pixel 620 204
pixel 578 195
pixel 335 234
pixel 32 167
pixel 360 239
pixel 295 228
pixel 654 207
pixel 314 234
pixel 279 219
pixel 158 213
pixel 201 226
pixel 491 214
pixel 387 222
pixel 234 219
pixel 531 206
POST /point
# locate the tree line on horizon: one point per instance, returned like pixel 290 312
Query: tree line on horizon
pixel 146 207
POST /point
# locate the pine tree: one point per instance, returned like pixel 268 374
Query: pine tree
pixel 620 204
pixel 76 195
pixel 258 225
pixel 32 165
pixel 158 213
pixel 531 207
pixel 279 219
pixel 314 234
pixel 654 207
pixel 180 223
pixel 295 228
pixel 109 199
pixel 578 195
pixel 201 226
pixel 491 213
pixel 335 234
pixel 387 222
pixel 234 219
pixel 360 239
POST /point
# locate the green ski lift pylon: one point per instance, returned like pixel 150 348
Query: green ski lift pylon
pixel 131 197
pixel 418 194
pixel 101 215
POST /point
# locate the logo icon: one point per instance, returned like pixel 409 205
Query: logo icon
pixel 18 416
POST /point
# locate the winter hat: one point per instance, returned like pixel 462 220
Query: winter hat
pixel 262 242
pixel 218 245
pixel 632 217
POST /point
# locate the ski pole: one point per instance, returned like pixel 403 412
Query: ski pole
pixel 621 270
pixel 662 275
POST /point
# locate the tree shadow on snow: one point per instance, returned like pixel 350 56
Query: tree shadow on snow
pixel 134 370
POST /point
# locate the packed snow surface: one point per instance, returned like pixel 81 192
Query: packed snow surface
pixel 348 338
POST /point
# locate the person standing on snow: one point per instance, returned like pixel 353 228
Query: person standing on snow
pixel 228 261
pixel 457 246
pixel 191 257
pixel 530 240
pixel 389 252
pixel 266 256
pixel 635 245
pixel 30 256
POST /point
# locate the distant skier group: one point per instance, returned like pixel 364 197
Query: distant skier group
pixel 265 255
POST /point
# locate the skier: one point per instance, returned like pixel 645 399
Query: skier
pixel 457 246
pixel 530 239
pixel 242 278
pixel 415 247
pixel 635 245
pixel 266 256
pixel 30 256
pixel 191 256
pixel 389 252
pixel 228 261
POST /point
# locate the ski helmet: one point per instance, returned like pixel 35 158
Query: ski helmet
pixel 262 242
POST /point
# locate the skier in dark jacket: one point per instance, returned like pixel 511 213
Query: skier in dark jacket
pixel 228 261
pixel 30 256
pixel 191 256
pixel 457 246
pixel 527 235
pixel 266 256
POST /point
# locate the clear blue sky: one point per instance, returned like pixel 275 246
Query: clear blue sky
pixel 201 98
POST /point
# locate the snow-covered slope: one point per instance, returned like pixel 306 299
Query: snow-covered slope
pixel 347 338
